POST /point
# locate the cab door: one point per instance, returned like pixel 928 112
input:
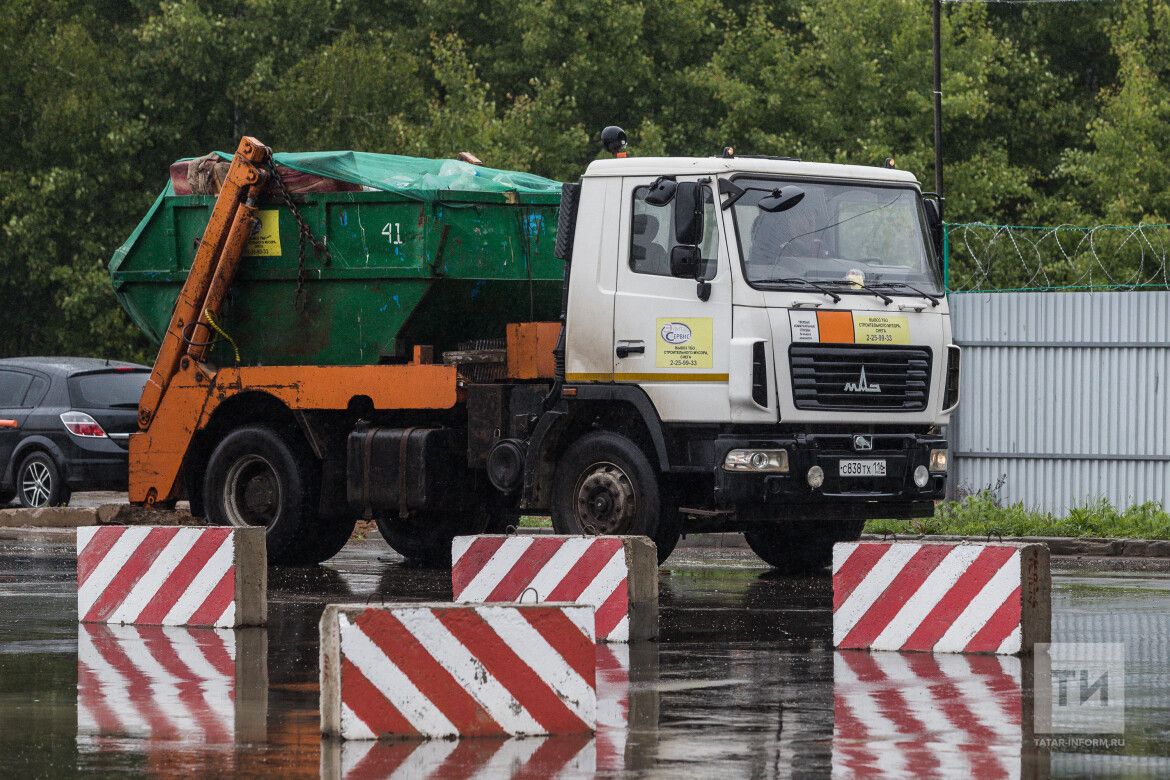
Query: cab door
pixel 667 339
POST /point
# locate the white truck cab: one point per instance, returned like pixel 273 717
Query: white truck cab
pixel 780 332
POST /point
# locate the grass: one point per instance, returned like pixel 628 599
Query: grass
pixel 981 514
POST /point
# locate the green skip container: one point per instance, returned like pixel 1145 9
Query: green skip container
pixel 436 252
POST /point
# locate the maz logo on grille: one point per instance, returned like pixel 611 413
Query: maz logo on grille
pixel 862 386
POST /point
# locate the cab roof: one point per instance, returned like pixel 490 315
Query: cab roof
pixel 728 166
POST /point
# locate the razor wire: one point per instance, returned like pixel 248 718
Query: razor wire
pixel 982 257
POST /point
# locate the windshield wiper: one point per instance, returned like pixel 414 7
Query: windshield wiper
pixel 902 285
pixel 838 282
pixel 796 280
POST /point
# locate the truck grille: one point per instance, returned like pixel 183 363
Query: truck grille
pixel 895 379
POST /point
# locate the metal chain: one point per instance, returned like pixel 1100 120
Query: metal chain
pixel 304 233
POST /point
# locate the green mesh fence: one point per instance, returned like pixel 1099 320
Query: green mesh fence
pixel 980 257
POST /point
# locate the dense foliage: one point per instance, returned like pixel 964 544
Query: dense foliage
pixel 1052 113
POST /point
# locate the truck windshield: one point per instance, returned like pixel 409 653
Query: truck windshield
pixel 839 235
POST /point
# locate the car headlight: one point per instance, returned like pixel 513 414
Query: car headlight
pixel 938 460
pixel 775 461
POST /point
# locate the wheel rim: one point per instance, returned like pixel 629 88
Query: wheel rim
pixel 252 492
pixel 36 484
pixel 605 500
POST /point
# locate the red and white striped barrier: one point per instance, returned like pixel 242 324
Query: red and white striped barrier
pixel 941 597
pixel 201 685
pixel 453 670
pixel 921 715
pixel 627 698
pixel 615 575
pixel 152 575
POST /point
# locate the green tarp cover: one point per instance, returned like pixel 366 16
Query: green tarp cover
pixel 414 177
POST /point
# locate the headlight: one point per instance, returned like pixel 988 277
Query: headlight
pixel 775 461
pixel 938 460
pixel 921 476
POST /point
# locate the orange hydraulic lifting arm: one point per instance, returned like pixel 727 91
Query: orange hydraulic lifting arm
pixel 216 260
pixel 184 391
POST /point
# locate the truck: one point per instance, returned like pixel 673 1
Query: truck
pixel 667 346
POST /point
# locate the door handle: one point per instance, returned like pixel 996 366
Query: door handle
pixel 9 424
pixel 630 348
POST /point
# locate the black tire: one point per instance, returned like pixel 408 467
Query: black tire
pixel 39 483
pixel 257 477
pixel 425 538
pixel 801 546
pixel 605 484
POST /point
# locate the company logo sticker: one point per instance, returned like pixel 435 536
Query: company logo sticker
pixel 675 333
pixel 683 342
pixel 265 240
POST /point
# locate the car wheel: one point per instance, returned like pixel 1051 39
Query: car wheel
pixel 258 478
pixel 39 482
pixel 801 546
pixel 605 484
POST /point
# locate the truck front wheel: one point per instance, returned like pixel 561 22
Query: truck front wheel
pixel 605 484
pixel 258 478
pixel 801 546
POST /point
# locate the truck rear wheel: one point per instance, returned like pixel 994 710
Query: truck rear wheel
pixel 801 546
pixel 425 537
pixel 605 484
pixel 258 478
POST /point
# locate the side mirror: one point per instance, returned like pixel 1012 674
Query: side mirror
pixel 781 199
pixel 935 222
pixel 661 191
pixel 688 213
pixel 686 262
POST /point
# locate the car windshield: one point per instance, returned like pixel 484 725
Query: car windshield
pixel 118 389
pixel 838 235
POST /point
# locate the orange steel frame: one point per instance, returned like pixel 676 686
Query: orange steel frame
pixel 183 391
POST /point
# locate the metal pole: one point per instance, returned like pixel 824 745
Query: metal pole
pixel 938 161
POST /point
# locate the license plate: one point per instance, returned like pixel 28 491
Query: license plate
pixel 862 468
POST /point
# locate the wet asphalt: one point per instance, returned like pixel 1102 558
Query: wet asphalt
pixel 743 683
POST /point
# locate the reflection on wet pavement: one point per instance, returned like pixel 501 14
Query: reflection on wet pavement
pixel 743 683
pixel 922 715
pixel 200 685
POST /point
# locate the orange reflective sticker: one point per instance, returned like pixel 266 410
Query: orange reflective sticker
pixel 836 327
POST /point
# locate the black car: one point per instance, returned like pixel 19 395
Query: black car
pixel 65 425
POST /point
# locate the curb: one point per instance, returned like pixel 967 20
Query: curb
pixel 1057 545
pixel 1064 547
pixel 108 514
pixel 731 541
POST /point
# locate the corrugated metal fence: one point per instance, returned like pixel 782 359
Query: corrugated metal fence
pixel 1063 397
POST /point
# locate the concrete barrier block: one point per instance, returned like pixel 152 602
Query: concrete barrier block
pixel 172 576
pixel 453 670
pixel 941 597
pixel 615 575
pixel 204 686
